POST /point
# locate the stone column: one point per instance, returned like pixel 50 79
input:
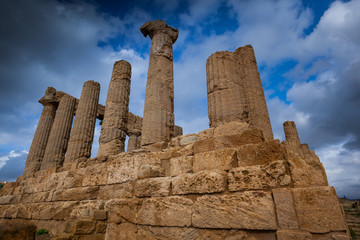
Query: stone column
pixel 114 126
pixel 291 133
pixel 60 133
pixel 258 113
pixel 227 99
pixel 38 145
pixel 82 133
pixel 133 142
pixel 158 120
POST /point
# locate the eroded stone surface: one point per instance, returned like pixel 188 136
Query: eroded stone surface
pixel 200 182
pixel 155 187
pixel 255 177
pixel 318 209
pixel 285 208
pixel 249 210
pixel 168 211
pixel 223 159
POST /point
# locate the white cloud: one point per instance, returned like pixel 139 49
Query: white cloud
pixel 11 154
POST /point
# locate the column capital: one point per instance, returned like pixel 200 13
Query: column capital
pixel 152 28
pixel 49 97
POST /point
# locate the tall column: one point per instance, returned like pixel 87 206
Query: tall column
pixel 113 128
pixel 82 133
pixel 227 99
pixel 258 112
pixel 291 133
pixel 60 133
pixel 158 120
pixel 38 145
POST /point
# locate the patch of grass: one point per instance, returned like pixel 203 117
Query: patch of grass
pixel 1 185
pixel 41 231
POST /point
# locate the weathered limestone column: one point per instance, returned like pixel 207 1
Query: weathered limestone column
pixel 158 120
pixel 82 133
pixel 258 112
pixel 235 91
pixel 38 145
pixel 291 133
pixel 227 99
pixel 113 128
pixel 60 133
pixel 134 140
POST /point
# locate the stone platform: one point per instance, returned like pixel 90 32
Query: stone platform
pixel 222 183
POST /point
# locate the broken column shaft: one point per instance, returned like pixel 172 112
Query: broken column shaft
pixel 235 91
pixel 38 145
pixel 60 133
pixel 258 114
pixel 82 133
pixel 291 133
pixel 113 128
pixel 158 121
pixel 134 141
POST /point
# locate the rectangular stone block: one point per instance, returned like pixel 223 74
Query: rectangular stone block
pixel 293 235
pixel 204 145
pixel 229 141
pixel 256 177
pixel 200 182
pixel 51 210
pixel 122 210
pixel 121 175
pixel 9 199
pixel 261 153
pixel 285 208
pixel 253 210
pixel 153 187
pixel 86 209
pixel 35 197
pixel 306 170
pixel 318 209
pixel 124 231
pixel 168 211
pixel 121 190
pixel 76 194
pixel 223 159
pixel 181 165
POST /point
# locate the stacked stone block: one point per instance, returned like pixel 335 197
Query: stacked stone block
pixel 158 121
pixel 114 126
pixel 234 90
pixel 82 133
pixel 60 133
pixel 38 145
pixel 178 193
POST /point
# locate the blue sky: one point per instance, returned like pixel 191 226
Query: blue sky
pixel 308 54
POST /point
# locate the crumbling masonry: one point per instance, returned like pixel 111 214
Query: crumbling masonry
pixel 231 181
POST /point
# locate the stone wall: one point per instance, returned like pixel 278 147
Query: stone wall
pixel 222 183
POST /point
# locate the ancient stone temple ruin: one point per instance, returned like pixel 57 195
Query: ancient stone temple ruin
pixel 230 181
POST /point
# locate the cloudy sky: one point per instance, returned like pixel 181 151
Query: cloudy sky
pixel 308 54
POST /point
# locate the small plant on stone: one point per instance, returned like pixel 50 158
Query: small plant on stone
pixel 41 231
pixel 352 233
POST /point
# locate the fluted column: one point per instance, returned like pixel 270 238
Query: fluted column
pixel 258 112
pixel 158 120
pixel 38 145
pixel 113 128
pixel 82 134
pixel 60 133
pixel 291 133
pixel 227 99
